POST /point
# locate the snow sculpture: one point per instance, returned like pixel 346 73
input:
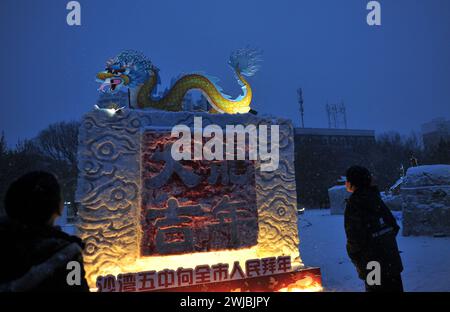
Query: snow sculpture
pixel 132 70
pixel 426 200
pixel 338 195
pixel 139 212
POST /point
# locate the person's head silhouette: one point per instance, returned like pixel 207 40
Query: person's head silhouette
pixel 35 199
pixel 357 177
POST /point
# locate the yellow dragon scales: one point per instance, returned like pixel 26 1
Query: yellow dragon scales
pixel 131 69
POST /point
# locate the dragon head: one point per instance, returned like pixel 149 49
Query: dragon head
pixel 129 69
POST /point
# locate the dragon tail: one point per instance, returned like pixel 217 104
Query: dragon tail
pixel 244 62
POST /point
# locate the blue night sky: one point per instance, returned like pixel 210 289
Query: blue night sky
pixel 392 77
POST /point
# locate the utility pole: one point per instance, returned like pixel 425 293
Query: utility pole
pixel 328 108
pixel 337 115
pixel 300 102
pixel 343 112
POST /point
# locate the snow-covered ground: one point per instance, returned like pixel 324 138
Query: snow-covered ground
pixel 322 243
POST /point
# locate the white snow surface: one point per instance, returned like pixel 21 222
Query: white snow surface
pixel 443 170
pixel 428 175
pixel 426 260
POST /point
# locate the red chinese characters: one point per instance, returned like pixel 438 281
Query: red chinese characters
pixel 194 206
pixel 184 277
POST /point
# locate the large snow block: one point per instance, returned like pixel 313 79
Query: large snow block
pixel 426 200
pixel 141 210
pixel 338 196
pixel 394 202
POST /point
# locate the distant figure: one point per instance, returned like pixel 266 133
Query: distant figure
pixel 371 230
pixel 35 254
pixel 414 162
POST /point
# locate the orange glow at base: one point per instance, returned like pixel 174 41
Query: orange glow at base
pixel 188 260
pixel 306 284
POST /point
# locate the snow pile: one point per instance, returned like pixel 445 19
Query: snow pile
pixel 394 202
pixel 426 200
pixel 338 199
pixel 427 176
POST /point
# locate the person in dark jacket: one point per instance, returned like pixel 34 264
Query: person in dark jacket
pixel 371 231
pixel 35 253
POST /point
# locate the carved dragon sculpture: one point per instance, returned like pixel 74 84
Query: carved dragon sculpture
pixel 131 69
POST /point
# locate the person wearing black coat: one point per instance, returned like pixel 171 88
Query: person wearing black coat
pixel 371 232
pixel 36 254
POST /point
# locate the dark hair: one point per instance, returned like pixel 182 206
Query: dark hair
pixel 33 198
pixel 359 176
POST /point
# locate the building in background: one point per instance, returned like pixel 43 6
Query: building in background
pixel 322 155
pixel 434 131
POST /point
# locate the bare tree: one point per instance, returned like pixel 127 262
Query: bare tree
pixel 3 147
pixel 23 158
pixel 53 150
pixel 58 144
